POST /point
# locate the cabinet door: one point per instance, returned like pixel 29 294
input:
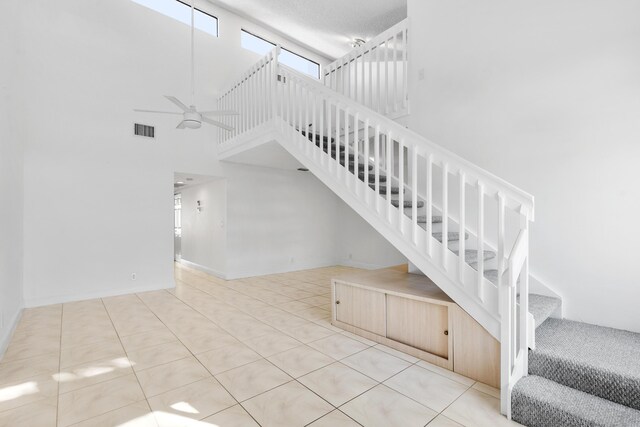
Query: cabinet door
pixel 361 308
pixel 418 324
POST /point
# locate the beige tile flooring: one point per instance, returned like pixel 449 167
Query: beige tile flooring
pixel 249 352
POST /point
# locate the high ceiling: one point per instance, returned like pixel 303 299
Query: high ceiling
pixel 324 26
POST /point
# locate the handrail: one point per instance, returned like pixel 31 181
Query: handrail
pixel 521 197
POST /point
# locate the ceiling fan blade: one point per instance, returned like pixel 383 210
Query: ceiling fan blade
pixel 181 125
pixel 159 112
pixel 216 123
pixel 220 113
pixel 178 103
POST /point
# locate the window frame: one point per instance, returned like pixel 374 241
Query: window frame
pixel 284 49
pixel 204 13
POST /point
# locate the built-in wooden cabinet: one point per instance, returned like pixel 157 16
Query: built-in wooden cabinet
pixel 411 314
pixel 360 308
pixel 420 324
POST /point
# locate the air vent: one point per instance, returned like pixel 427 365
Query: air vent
pixel 144 130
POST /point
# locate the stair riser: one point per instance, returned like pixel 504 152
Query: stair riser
pixel 607 385
pixel 539 402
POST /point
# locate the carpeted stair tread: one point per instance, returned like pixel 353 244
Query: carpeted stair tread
pixel 451 236
pixel 372 177
pixel 542 307
pixel 471 255
pixel 539 402
pixel 491 274
pixel 334 154
pixel 352 166
pixel 316 138
pixel 383 189
pixel 407 203
pixel 601 361
pixel 435 219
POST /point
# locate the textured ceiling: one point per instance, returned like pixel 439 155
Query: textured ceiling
pixel 324 26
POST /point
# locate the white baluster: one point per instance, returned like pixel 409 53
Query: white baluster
pixel 314 125
pixel 378 108
pixel 389 141
pixel 386 78
pixel 376 154
pixel 306 120
pixel 414 193
pixel 370 103
pixel 395 72
pixel 366 160
pixel 356 169
pixel 337 144
pixel 321 118
pixel 362 77
pixel 501 237
pixel 445 213
pixel 355 77
pixel 299 105
pixel 346 147
pixel 405 69
pixel 400 185
pixel 329 133
pixel 463 227
pixel 429 203
pixel 481 240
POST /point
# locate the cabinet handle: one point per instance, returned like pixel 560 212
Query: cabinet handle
pixel 337 302
pixel 446 332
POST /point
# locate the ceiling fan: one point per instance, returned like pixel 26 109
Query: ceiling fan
pixel 191 117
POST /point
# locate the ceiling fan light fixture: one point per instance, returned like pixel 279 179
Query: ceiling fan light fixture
pixel 357 42
pixel 192 124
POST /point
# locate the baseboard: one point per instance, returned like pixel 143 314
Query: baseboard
pixel 6 338
pixel 265 272
pixel 60 299
pixel 199 267
pixel 364 265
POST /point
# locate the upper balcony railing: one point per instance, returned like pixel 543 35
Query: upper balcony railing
pixel 375 73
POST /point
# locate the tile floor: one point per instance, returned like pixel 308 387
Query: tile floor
pixel 251 352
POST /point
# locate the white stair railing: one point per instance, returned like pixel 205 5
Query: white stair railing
pixel 375 74
pixel 361 154
pixel 252 96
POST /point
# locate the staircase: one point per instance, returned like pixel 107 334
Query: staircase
pixel 465 228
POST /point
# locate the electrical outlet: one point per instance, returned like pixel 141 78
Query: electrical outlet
pixel 292 260
pixel 350 256
pixel 133 276
pixel 421 74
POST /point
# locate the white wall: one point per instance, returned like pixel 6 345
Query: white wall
pixel 204 233
pixel 278 221
pixel 98 201
pixel 360 245
pixel 546 95
pixel 11 188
